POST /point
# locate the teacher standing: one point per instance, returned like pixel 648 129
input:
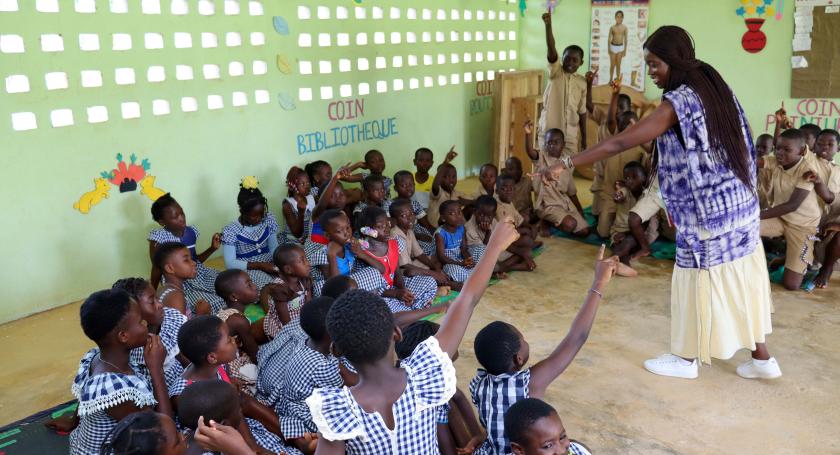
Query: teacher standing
pixel 705 161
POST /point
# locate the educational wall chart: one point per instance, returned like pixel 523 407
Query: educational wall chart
pixel 619 29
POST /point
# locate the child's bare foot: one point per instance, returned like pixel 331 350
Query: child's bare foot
pixel 532 265
pixel 625 270
pixel 500 275
pixel 644 252
pixel 821 280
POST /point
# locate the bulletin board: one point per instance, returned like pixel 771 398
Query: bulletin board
pixel 816 57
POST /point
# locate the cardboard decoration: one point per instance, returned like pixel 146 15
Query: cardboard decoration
pixel 754 11
pixel 127 177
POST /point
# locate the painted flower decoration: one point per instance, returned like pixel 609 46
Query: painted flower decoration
pixel 250 182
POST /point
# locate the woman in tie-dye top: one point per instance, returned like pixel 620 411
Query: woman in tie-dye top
pixel 720 296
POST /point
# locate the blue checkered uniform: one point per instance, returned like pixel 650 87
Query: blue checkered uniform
pixel 368 278
pixel 272 359
pixel 172 322
pixel 285 235
pixel 452 250
pixel 430 384
pixel 202 287
pixel 252 245
pixel 306 370
pixel 387 183
pixel 98 393
pixel 493 395
pixel 424 289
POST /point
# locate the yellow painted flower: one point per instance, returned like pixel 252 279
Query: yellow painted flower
pixel 745 2
pixel 770 11
pixel 250 182
pixel 750 10
pixel 758 2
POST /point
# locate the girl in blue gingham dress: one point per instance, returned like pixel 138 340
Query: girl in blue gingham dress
pixel 170 215
pixel 298 219
pixel 451 243
pixel 249 242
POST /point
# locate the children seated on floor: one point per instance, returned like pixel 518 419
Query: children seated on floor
pixel 213 400
pixel 283 299
pixel 423 161
pixel 458 427
pixel 533 427
pixel 502 352
pixel 423 229
pixel 147 433
pixel 108 385
pixel 794 212
pixel 236 287
pixel 827 186
pixel 168 213
pixel 174 261
pixel 375 165
pixel 443 189
pixel 477 233
pixel 249 241
pixel 297 208
pixel 487 175
pixel 557 203
pixel 333 197
pixel 763 148
pixel 373 187
pixel 523 189
pixel 450 242
pixel 505 193
pixel 414 261
pixel 400 404
pixel 622 241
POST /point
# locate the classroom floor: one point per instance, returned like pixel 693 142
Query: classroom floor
pixel 605 398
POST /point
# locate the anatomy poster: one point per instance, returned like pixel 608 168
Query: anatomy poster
pixel 619 28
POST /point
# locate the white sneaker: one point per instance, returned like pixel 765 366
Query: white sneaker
pixel 671 365
pixel 759 369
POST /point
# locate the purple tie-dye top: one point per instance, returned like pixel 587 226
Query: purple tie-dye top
pixel 716 215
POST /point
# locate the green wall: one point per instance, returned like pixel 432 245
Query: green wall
pixel 761 81
pixel 53 254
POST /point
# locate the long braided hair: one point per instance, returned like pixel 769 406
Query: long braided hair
pixel 675 47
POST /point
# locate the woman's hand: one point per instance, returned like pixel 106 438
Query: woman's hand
pixel 550 174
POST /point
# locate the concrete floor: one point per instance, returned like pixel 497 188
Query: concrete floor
pixel 605 398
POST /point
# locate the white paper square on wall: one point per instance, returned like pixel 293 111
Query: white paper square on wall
pixel 56 80
pixel 231 7
pixel 61 117
pixel 17 83
pixel 52 42
pixel 130 109
pixel 153 40
pixel 97 114
pixel 183 72
pixel 85 6
pixel 304 67
pixel 91 78
pixel 24 121
pixel 179 7
pixel 124 76
pixel 364 89
pixel 88 41
pixel 46 6
pixel 262 97
pixel 259 67
pixel 215 102
pixel 118 6
pixel 150 6
pixel 305 94
pixel 183 40
pixel 189 104
pixel 11 44
pixel 8 5
pixel 206 7
pixel 255 8
pixel 236 69
pixel 233 39
pixel 209 39
pixel 211 71
pixel 257 38
pixel 121 41
pixel 156 74
pixel 239 99
pixel 345 90
pixel 160 107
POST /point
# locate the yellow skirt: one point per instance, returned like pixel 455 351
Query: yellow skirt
pixel 716 312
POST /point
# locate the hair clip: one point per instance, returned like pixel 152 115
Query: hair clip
pixel 364 244
pixel 250 183
pixel 369 231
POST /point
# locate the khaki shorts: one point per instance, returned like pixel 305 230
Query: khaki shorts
pixel 555 215
pixel 799 253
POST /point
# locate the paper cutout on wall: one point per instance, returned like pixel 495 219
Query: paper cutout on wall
pixel 280 25
pixel 283 64
pixel 286 101
pixel 126 176
pixel 91 198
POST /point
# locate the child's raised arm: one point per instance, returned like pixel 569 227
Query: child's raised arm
pixel 533 153
pixel 436 182
pixel 455 321
pixel 612 117
pixel 549 38
pixel 547 370
pixel 326 193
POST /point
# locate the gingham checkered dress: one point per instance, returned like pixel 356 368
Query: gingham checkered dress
pixel 272 359
pixel 262 435
pixel 306 370
pixel 452 249
pixel 98 393
pixel 271 323
pixel 252 245
pixel 172 322
pixel 493 395
pixel 242 368
pixel 285 235
pixel 419 213
pixel 387 183
pixel 368 278
pixel 430 383
pixel 424 288
pixel 202 287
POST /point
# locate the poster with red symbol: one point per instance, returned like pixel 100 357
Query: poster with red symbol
pixel 619 29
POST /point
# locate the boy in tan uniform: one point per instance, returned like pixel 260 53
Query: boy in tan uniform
pixel 443 189
pixel 522 188
pixel 794 211
pixel 827 186
pixel 564 100
pixel 477 233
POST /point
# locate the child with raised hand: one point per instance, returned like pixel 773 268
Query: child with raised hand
pixel 534 428
pixel 393 410
pixel 333 198
pixel 168 213
pixel 557 202
pixel 283 299
pixel 413 258
pixel 502 352
pixel 523 189
pixel 400 293
pixel 373 187
pixel 627 193
pixel 175 262
pixel 211 400
pixel 342 256
pixel 147 433
pixel 443 188
pixel 249 241
pixel 477 233
pixel 794 211
pixel 458 428
pixel 236 287
pixel 297 207
pixel 423 229
pixel 162 321
pixel 451 245
pixel 108 386
pixel 311 367
pixel 505 194
pixel 423 161
pixel 207 343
